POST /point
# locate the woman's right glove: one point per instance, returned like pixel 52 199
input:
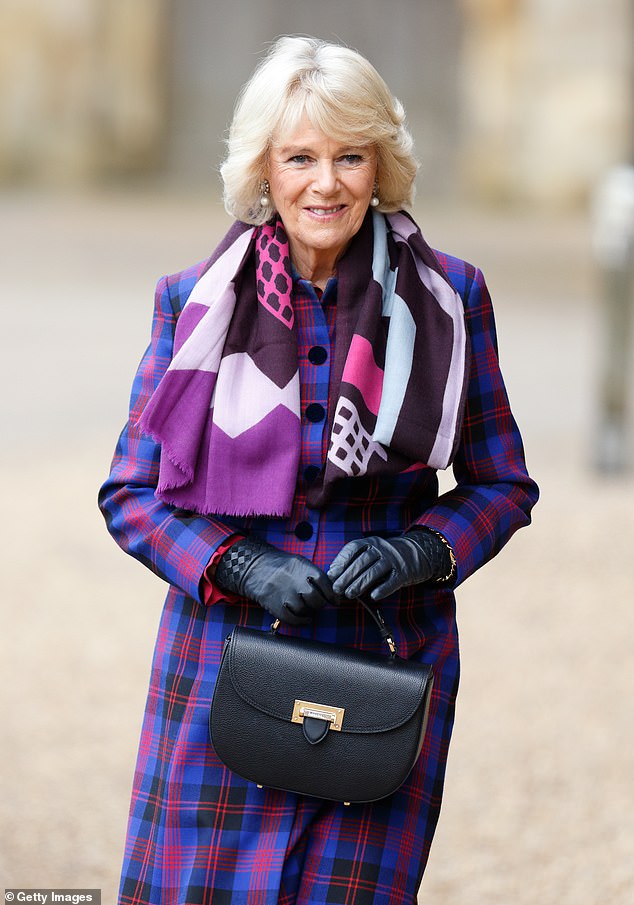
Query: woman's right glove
pixel 289 586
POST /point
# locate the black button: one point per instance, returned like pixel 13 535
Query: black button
pixel 310 473
pixel 315 412
pixel 304 531
pixel 317 355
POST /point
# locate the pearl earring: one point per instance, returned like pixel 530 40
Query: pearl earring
pixel 265 188
pixel 374 200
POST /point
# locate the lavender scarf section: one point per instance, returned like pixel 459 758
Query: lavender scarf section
pixel 227 411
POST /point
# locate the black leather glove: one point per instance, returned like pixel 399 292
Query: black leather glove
pixel 378 566
pixel 289 586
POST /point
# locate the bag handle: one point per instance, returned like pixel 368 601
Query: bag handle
pixel 377 617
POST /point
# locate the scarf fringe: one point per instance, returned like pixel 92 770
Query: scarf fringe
pixel 187 470
pixel 237 512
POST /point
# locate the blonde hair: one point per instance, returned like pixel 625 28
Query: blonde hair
pixel 342 94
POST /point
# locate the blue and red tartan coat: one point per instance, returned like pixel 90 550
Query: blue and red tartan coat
pixel 198 833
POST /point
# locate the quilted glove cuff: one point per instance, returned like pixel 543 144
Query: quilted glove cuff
pixel 233 564
pixel 434 547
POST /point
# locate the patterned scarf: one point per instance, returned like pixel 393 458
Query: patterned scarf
pixel 227 411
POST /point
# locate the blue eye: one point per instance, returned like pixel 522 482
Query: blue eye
pixel 299 158
pixel 352 158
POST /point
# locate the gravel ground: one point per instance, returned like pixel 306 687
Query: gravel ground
pixel 539 796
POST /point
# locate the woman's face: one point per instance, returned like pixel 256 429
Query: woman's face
pixel 321 189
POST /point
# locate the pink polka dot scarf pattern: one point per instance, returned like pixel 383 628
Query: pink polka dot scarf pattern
pixel 227 410
pixel 273 273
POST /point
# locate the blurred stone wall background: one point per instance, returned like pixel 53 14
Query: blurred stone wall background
pixel 509 100
pixel 82 89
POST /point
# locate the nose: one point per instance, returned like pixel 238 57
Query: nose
pixel 326 177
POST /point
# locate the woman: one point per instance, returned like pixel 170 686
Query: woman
pixel 301 390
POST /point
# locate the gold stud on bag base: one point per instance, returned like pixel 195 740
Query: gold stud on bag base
pixel 310 717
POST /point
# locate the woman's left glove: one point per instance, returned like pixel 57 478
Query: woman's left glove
pixel 379 566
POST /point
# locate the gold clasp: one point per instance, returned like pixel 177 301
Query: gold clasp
pixel 332 715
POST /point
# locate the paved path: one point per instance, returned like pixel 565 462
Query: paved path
pixel 539 799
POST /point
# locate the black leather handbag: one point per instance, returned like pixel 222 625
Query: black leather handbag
pixel 318 719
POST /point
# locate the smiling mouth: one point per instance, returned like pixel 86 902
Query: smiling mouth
pixel 325 211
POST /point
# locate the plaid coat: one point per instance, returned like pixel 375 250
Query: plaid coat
pixel 198 833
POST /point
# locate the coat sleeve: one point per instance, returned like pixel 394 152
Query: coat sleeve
pixel 175 544
pixel 494 494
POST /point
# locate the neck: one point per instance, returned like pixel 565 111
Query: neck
pixel 314 266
